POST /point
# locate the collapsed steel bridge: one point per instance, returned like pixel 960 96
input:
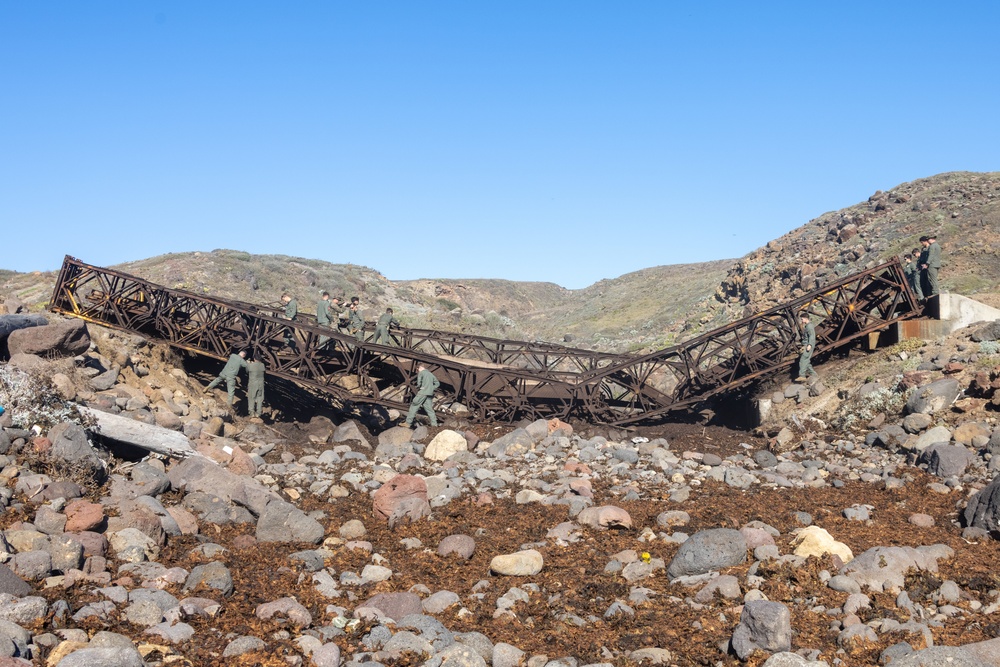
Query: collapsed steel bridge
pixel 498 380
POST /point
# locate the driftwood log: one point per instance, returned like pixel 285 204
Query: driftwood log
pixel 139 434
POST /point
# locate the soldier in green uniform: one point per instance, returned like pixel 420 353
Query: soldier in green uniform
pixel 932 265
pixel 255 387
pixel 427 384
pixel 808 342
pixel 323 314
pixel 291 313
pixel 355 323
pixel 925 287
pixel 382 327
pixel 229 373
pixel 912 271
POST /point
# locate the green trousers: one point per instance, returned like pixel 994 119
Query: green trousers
pixel 425 402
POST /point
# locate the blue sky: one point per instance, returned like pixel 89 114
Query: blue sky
pixel 555 141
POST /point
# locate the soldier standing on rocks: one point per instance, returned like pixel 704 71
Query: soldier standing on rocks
pixel 229 373
pixel 383 325
pixel 255 388
pixel 427 384
pixel 808 347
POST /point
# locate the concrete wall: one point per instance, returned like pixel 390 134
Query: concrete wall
pixel 961 311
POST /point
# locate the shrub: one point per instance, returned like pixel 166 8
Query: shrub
pixel 31 400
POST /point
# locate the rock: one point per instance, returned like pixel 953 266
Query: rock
pixel 31 565
pixel 934 397
pixel 404 497
pixel 283 522
pixel 103 657
pixel 133 546
pixel 197 473
pixel 816 541
pixel 63 338
pixel 461 545
pixel 946 460
pixel 916 422
pixel 606 516
pixel 708 550
pixel 71 447
pixel 440 601
pixel 11 584
pixel 936 435
pixel 763 625
pixel 83 515
pixel 983 509
pixel 987 332
pixel 241 645
pixel 445 444
pixel 349 431
pixel 285 610
pixel 213 576
pixel 327 655
pixel 515 443
pixel 395 605
pixel 507 655
pixel 884 568
pixel 521 564
pixel 10 323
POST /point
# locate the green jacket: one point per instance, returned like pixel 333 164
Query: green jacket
pixel 356 322
pixel 809 337
pixel 255 371
pixel 323 311
pixel 426 383
pixel 387 321
pixel 292 309
pixel 233 366
pixel 933 256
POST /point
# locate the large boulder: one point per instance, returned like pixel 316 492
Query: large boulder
pixel 283 522
pixel 765 626
pixel 934 397
pixel 404 497
pixel 64 338
pixel 983 509
pixel 883 569
pixel 709 550
pixel 11 323
pixel 71 448
pixel 444 444
pixel 197 473
pixel 946 460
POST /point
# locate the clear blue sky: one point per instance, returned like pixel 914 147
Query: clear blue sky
pixel 557 141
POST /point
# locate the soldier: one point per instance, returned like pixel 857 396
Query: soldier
pixel 383 325
pixel 229 373
pixel 426 385
pixel 255 388
pixel 808 346
pixel 912 270
pixel 291 313
pixel 932 264
pixel 323 314
pixel 355 323
pixel 925 287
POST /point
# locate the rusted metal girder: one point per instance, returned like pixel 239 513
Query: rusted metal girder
pixel 494 379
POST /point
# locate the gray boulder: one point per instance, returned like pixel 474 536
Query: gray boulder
pixel 883 569
pixel 515 443
pixel 71 447
pixel 765 626
pixel 214 576
pixel 934 397
pixel 709 550
pixel 12 584
pixel 103 657
pixel 990 331
pixel 64 338
pixel 283 522
pixel 983 509
pixel 946 460
pixel 197 473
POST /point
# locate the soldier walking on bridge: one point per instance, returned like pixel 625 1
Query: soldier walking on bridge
pixel 382 327
pixel 229 373
pixel 427 384
pixel 291 313
pixel 355 323
pixel 323 314
pixel 255 388
pixel 808 342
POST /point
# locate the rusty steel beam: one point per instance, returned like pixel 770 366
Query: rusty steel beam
pixel 494 379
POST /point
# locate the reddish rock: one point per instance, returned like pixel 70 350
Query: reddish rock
pixel 241 463
pixel 581 487
pixel 484 498
pixel 577 467
pixel 83 515
pixel 560 425
pixel 244 542
pixel 41 444
pixel 186 521
pixel 402 491
pixel 953 367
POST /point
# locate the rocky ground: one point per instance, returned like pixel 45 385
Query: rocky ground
pixel 855 527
